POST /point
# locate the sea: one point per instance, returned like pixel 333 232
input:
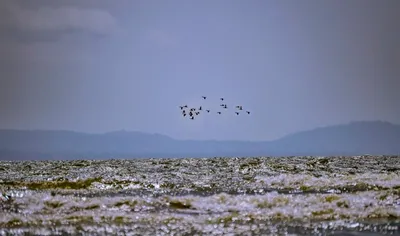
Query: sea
pixel 353 195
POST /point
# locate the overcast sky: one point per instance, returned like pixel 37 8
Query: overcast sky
pixel 98 66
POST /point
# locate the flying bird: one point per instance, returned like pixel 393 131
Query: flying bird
pixel 192 112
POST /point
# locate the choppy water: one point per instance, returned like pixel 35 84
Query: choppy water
pixel 215 196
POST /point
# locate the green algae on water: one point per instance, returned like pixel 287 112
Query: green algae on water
pixel 43 185
pixel 180 205
pixel 54 204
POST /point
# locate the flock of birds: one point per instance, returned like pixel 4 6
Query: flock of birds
pixel 191 113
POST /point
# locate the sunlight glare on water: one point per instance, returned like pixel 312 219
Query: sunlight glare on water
pixel 213 196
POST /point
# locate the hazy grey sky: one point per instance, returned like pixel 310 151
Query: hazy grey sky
pixel 98 66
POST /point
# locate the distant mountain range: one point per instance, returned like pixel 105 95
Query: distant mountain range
pixel 355 138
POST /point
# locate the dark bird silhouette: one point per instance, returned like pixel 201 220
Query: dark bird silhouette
pixel 192 112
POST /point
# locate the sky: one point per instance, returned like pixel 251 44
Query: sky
pixel 98 66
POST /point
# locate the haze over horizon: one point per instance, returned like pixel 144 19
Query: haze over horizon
pixel 370 124
pixel 97 66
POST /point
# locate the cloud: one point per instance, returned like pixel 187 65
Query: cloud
pixel 50 23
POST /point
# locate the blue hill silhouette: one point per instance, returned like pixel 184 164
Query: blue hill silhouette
pixel 355 138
